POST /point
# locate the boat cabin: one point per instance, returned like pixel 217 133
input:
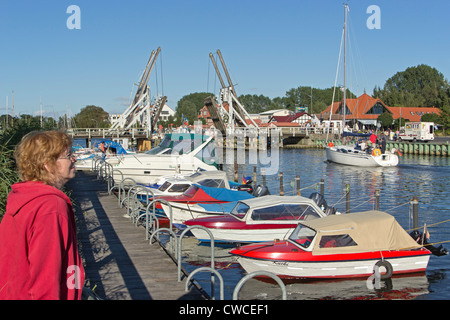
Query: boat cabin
pixel 352 233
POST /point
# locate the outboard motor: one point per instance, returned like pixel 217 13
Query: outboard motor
pixel 261 191
pixel 319 199
pixel 419 238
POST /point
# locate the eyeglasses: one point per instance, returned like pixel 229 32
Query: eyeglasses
pixel 69 156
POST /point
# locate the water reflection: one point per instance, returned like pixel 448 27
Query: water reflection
pixel 405 287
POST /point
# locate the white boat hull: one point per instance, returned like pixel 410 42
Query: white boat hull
pixel 182 212
pixel 147 169
pixel 241 235
pixel 332 269
pixel 350 156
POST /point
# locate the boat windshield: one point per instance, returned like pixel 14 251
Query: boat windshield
pixel 302 236
pixel 191 191
pixel 295 211
pixel 214 183
pixel 179 187
pixel 164 186
pixel 240 210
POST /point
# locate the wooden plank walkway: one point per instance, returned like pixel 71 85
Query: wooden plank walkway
pixel 117 258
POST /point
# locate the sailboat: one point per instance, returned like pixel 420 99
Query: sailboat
pixel 357 155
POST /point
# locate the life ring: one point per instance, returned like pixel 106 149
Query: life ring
pixel 376 152
pixel 331 144
pixel 386 265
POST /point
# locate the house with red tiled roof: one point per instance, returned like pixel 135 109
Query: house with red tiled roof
pixel 366 110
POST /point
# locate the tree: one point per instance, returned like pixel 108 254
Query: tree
pixel 420 86
pixel 256 104
pixel 92 117
pixel 189 106
pixel 385 119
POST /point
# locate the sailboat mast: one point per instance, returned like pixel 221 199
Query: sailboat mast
pixel 345 62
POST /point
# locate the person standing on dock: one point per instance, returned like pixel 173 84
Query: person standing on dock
pixel 39 259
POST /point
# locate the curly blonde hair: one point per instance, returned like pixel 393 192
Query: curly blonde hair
pixel 37 149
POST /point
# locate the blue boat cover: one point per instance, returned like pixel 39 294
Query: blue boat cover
pixel 110 144
pixel 218 207
pixel 224 194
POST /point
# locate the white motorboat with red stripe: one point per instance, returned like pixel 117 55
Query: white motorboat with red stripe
pixel 258 219
pixel 339 246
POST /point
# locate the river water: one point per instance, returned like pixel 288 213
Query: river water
pixel 424 177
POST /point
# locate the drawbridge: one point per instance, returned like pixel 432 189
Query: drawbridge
pixel 141 110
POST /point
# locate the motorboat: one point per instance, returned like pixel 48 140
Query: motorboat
pixel 258 219
pixel 182 153
pixel 339 246
pixel 178 184
pixel 354 156
pixel 200 201
pixel 215 179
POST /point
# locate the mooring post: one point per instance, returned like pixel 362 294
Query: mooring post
pixel 297 178
pixel 322 186
pixel 347 198
pixel 415 209
pixel 280 175
pixel 377 199
pixel 254 177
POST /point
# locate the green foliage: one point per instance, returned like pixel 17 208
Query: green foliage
pixel 189 106
pixel 385 119
pixel 421 86
pixel 92 117
pixel 256 104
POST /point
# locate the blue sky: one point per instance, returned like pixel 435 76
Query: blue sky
pixel 269 47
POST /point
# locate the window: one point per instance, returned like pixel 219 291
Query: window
pixel 214 183
pixel 164 186
pixel 191 191
pixel 302 236
pixel 178 187
pixel 285 212
pixel 336 241
pixel 240 210
pixel 376 109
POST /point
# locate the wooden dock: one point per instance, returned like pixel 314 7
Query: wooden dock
pixel 119 262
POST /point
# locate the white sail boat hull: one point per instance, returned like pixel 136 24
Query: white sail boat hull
pixel 348 155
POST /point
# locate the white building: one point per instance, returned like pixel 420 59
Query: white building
pixel 267 115
pixel 166 112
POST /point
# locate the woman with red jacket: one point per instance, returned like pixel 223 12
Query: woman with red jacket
pixel 38 247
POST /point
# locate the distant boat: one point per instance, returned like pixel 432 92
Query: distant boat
pixel 352 155
pixel 359 156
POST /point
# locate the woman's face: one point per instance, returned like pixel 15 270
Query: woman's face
pixel 65 168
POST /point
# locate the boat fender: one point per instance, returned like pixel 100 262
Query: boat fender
pixel 387 266
pixel 376 152
pixel 331 144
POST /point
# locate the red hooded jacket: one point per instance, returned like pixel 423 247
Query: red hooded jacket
pixel 38 247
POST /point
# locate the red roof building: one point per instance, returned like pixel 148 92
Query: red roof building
pixel 367 109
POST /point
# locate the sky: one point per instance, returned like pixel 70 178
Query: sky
pixel 269 47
